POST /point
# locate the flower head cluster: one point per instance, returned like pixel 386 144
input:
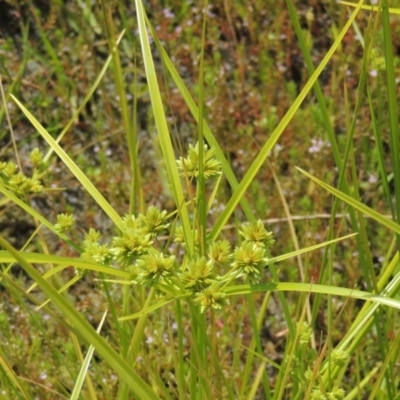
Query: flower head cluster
pixel 256 233
pixel 130 245
pixel 340 357
pixel 336 394
pixel 304 332
pixel 37 159
pixel 198 275
pixel 93 250
pixel 249 261
pixel 154 222
pixel 19 183
pixel 134 251
pixel 7 169
pixel 220 252
pixel 190 166
pixel 136 235
pixel 22 185
pixel 153 268
pixel 211 297
pixel 64 222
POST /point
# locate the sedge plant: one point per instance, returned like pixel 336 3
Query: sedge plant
pixel 175 332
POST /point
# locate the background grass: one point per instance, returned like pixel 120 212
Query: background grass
pixel 113 119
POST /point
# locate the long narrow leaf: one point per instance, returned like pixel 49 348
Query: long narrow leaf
pixel 162 128
pixel 85 366
pixel 82 178
pixel 160 303
pixel 356 204
pixel 371 8
pixel 257 163
pixel 307 249
pixel 393 108
pixel 212 141
pixel 311 288
pixel 39 258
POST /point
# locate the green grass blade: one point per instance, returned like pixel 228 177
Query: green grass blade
pixel 393 108
pixel 307 249
pixel 356 204
pixel 368 310
pixel 391 10
pixel 146 310
pixel 62 289
pixel 119 80
pixel 85 366
pixel 388 363
pixel 130 122
pixel 311 288
pixel 201 185
pixel 82 178
pixel 84 330
pixel 258 162
pixel 226 168
pixel 380 156
pixel 39 258
pixel 162 128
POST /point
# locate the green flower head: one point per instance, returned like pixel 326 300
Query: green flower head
pixel 211 297
pixel 36 157
pixel 64 222
pixel 22 185
pixel 179 236
pixel 130 222
pixel 198 275
pixel 256 233
pixel 220 252
pixel 98 253
pixel 34 186
pixel 249 261
pixel 340 357
pixel 304 332
pixel 93 250
pixel 336 394
pixel 8 169
pixel 154 267
pixel 92 236
pixel 317 394
pixel 154 221
pixel 190 166
pixel 130 246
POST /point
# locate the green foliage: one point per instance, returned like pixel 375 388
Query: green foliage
pixel 192 297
